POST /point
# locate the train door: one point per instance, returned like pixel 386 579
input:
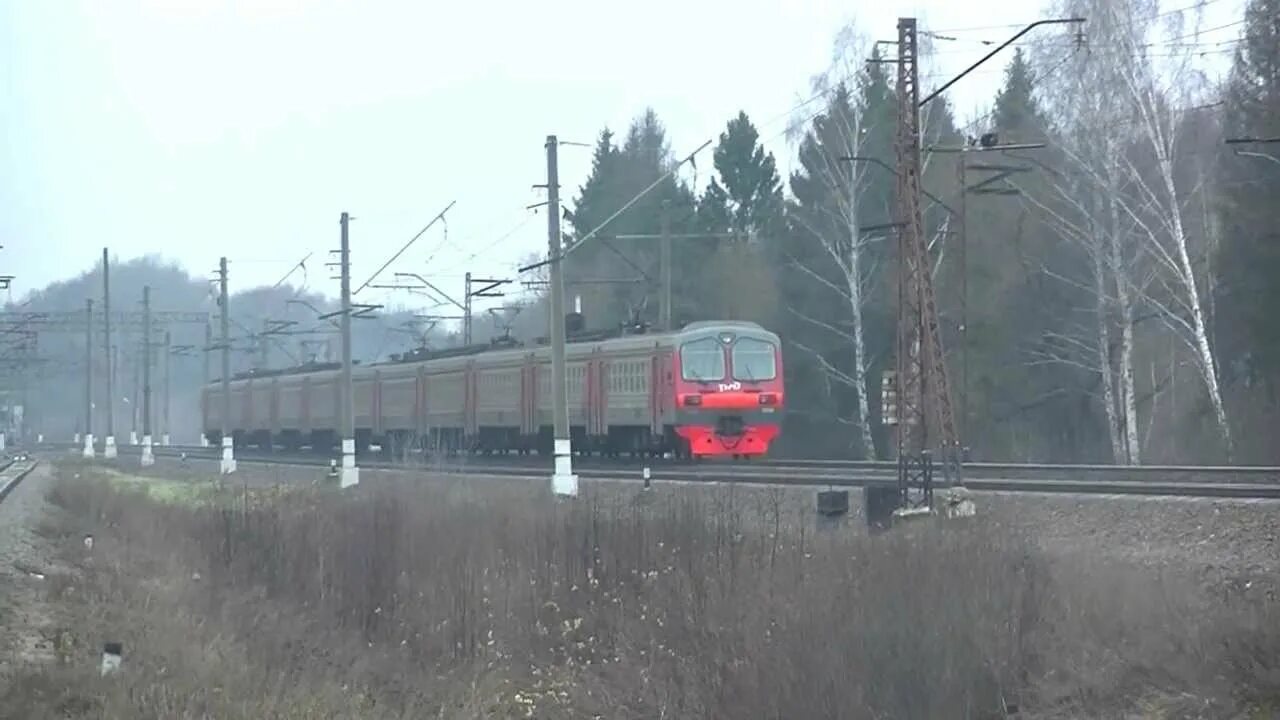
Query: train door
pixel 470 422
pixel 273 407
pixel 529 398
pixel 593 421
pixel 246 407
pixel 420 402
pixel 662 392
pixel 375 400
pixel 305 420
pixel 588 396
pixel 656 374
pixel 602 396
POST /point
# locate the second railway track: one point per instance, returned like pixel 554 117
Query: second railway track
pixel 1177 481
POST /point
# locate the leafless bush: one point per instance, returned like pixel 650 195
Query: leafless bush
pixel 438 599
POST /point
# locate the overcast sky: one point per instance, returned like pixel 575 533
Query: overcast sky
pixel 195 129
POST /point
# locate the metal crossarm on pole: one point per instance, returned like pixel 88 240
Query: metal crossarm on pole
pixel 399 252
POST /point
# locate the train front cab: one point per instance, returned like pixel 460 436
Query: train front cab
pixel 729 392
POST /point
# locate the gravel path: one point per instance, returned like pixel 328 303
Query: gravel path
pixel 1231 546
pixel 25 620
pixel 19 513
pixel 1198 530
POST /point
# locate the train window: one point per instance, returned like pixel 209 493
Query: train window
pixel 753 360
pixel 702 360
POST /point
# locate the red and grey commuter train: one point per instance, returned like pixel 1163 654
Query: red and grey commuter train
pixel 711 389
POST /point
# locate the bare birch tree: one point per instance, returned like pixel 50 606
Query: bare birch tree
pixel 845 248
pixel 1084 204
pixel 1120 116
pixel 1083 210
pixel 1161 96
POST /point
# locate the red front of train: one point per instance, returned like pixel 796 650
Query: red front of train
pixel 729 392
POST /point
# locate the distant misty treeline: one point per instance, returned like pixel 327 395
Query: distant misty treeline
pixel 56 386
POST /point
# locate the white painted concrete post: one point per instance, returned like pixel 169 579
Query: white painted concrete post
pixel 228 465
pixel 564 482
pixel 88 446
pixel 112 656
pixel 164 440
pixel 148 459
pixel 350 473
pixel 109 448
pixel 133 437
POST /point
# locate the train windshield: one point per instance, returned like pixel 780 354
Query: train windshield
pixel 754 360
pixel 702 360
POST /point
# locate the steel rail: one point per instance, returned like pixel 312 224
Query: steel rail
pixel 840 475
pixel 861 465
pixel 7 485
pixel 1092 467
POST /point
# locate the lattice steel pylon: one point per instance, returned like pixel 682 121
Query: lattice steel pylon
pixel 926 420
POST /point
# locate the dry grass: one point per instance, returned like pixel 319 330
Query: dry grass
pixel 456 601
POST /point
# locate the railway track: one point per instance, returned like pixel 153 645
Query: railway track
pixel 1258 474
pixel 12 471
pixel 1178 481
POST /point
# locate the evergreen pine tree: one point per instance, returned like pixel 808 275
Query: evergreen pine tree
pixel 745 196
pixel 1250 250
pixel 1017 116
pixel 600 189
pixel 618 175
pixel 813 264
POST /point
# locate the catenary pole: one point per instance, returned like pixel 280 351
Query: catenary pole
pixel 204 384
pixel 563 481
pixel 166 431
pixel 109 443
pixel 88 378
pixel 350 473
pixel 666 261
pixel 147 457
pixel 228 464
